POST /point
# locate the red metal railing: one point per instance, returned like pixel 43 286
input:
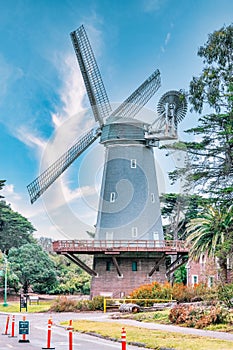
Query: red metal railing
pixel 121 245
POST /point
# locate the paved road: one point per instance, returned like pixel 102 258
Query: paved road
pixel 38 334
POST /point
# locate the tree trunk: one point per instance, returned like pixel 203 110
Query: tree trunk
pixel 223 270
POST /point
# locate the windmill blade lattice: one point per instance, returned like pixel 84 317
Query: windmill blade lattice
pixel 134 103
pixel 42 182
pixel 91 75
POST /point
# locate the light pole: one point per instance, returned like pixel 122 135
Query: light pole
pixel 5 285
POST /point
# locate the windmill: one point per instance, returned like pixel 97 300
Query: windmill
pixel 129 207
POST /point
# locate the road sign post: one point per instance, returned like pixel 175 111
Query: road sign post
pixel 24 329
pixel 23 302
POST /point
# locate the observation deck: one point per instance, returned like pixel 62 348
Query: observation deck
pixel 119 246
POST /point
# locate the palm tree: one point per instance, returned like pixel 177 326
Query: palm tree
pixel 210 234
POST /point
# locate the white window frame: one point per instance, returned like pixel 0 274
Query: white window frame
pixel 210 281
pixel 109 236
pixel 152 197
pixel 193 278
pixel 112 197
pixel 202 259
pixel 133 163
pixel 134 232
pixel 155 236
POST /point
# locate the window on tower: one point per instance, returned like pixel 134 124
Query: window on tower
pixel 109 236
pixel 112 197
pixel 134 232
pixel 152 197
pixel 155 236
pixel 133 163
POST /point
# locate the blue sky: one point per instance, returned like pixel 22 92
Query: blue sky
pixel 42 97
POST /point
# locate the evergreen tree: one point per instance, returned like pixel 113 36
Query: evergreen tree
pixel 210 157
pixel 2 184
pixel 15 230
pixel 178 210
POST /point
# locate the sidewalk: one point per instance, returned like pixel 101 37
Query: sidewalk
pixel 101 317
pixel 177 329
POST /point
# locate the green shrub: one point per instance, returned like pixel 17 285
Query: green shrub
pixel 225 294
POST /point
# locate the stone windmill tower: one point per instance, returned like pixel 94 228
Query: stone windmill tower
pixel 129 218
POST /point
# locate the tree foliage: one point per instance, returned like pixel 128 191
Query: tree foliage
pixel 214 85
pixel 178 210
pixel 15 231
pixel 210 156
pixel 71 278
pixel 46 243
pixel 33 268
pixel 2 184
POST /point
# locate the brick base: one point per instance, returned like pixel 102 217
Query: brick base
pixel 110 283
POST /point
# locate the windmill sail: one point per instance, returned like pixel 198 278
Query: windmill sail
pixel 91 75
pixel 42 182
pixel 134 103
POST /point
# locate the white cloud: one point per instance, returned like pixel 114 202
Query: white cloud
pixel 9 192
pixel 167 38
pixel 73 90
pixel 30 139
pixel 8 74
pixel 70 122
pixel 19 203
pixel 166 41
pixel 152 5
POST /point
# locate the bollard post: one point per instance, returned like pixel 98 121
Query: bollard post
pixel 70 329
pixel 105 305
pixel 7 325
pixel 123 339
pixel 13 328
pixel 24 329
pixel 49 335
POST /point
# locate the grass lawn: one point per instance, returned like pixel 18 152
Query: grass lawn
pixel 162 317
pixel 13 307
pixel 152 339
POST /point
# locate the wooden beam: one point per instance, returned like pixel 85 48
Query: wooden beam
pixel 181 260
pixel 156 265
pixel 81 264
pixel 115 262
